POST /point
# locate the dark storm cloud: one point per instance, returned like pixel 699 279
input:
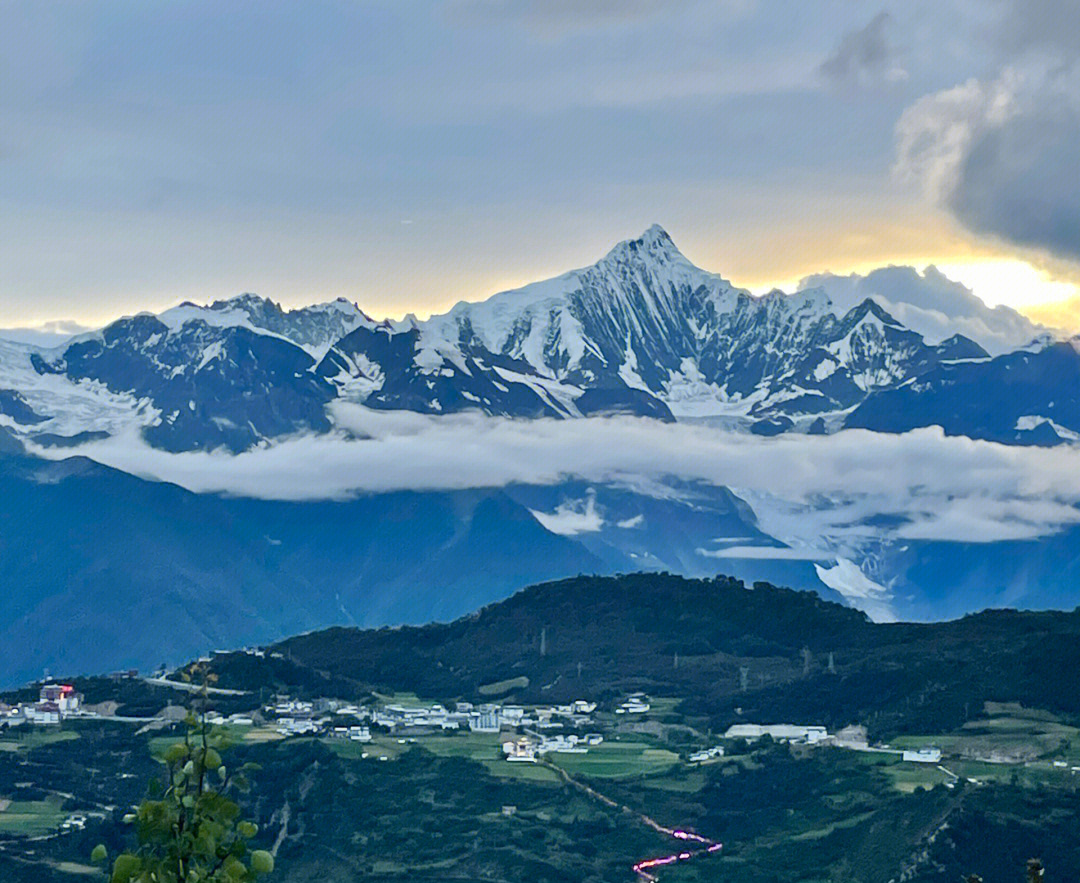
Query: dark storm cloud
pixel 1001 151
pixel 1021 180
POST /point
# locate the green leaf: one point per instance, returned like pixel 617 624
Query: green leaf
pixel 125 867
pixel 262 862
pixel 175 752
pixel 99 854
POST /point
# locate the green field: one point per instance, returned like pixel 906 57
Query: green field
pixel 500 687
pixel 403 698
pixel 31 818
pixel 486 748
pixel 29 738
pixel 618 760
pixel 380 746
pixel 909 777
pixel 1011 734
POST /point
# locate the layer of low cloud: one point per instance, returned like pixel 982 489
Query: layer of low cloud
pixel 931 304
pixel 572 517
pixel 849 580
pixel 928 485
pixel 46 334
pixel 768 553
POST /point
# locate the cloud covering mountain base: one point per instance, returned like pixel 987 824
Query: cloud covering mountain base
pixel 927 485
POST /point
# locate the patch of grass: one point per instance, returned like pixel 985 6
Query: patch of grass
pixel 679 782
pixel 818 833
pixel 28 738
pixel 379 747
pixel 618 760
pixel 261 734
pixel 76 868
pixel 236 735
pixel 1017 737
pixel 663 706
pixel 475 746
pixel 525 772
pixel 29 818
pixel 1015 709
pixel 402 698
pixel 910 777
pixel 485 748
pixel 499 687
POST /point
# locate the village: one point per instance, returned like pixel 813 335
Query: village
pixel 588 739
pixel 532 732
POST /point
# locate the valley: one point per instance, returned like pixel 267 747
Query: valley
pixel 384 752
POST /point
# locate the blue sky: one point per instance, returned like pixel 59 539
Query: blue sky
pixel 410 154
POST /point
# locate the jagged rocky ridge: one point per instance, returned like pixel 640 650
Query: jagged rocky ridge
pixel 642 332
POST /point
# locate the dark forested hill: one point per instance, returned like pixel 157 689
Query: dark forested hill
pixel 774 653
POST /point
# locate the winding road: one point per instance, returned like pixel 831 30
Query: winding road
pixel 646 868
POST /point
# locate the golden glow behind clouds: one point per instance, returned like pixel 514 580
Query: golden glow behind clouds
pixel 1009 281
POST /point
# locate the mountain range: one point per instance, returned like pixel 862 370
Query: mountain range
pixel 105 568
pixel 642 332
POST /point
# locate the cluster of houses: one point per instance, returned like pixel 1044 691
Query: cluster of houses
pixel 717 751
pixel 55 702
pixel 637 703
pixel 484 718
pixel 527 749
pixel 853 738
pixel 240 719
pixel 353 734
pixel 293 717
pixel 296 717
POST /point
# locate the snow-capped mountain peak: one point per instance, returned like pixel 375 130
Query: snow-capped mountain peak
pixel 645 325
pixel 315 328
pixel 642 331
pixel 654 246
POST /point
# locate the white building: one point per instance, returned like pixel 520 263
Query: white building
pixel 780 732
pixel 290 726
pixel 636 704
pixel 63 696
pixel 484 722
pixel 42 713
pixel 520 751
pixel 562 745
pixel 923 755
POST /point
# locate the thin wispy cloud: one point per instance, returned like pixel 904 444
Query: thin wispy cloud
pixel 866 56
